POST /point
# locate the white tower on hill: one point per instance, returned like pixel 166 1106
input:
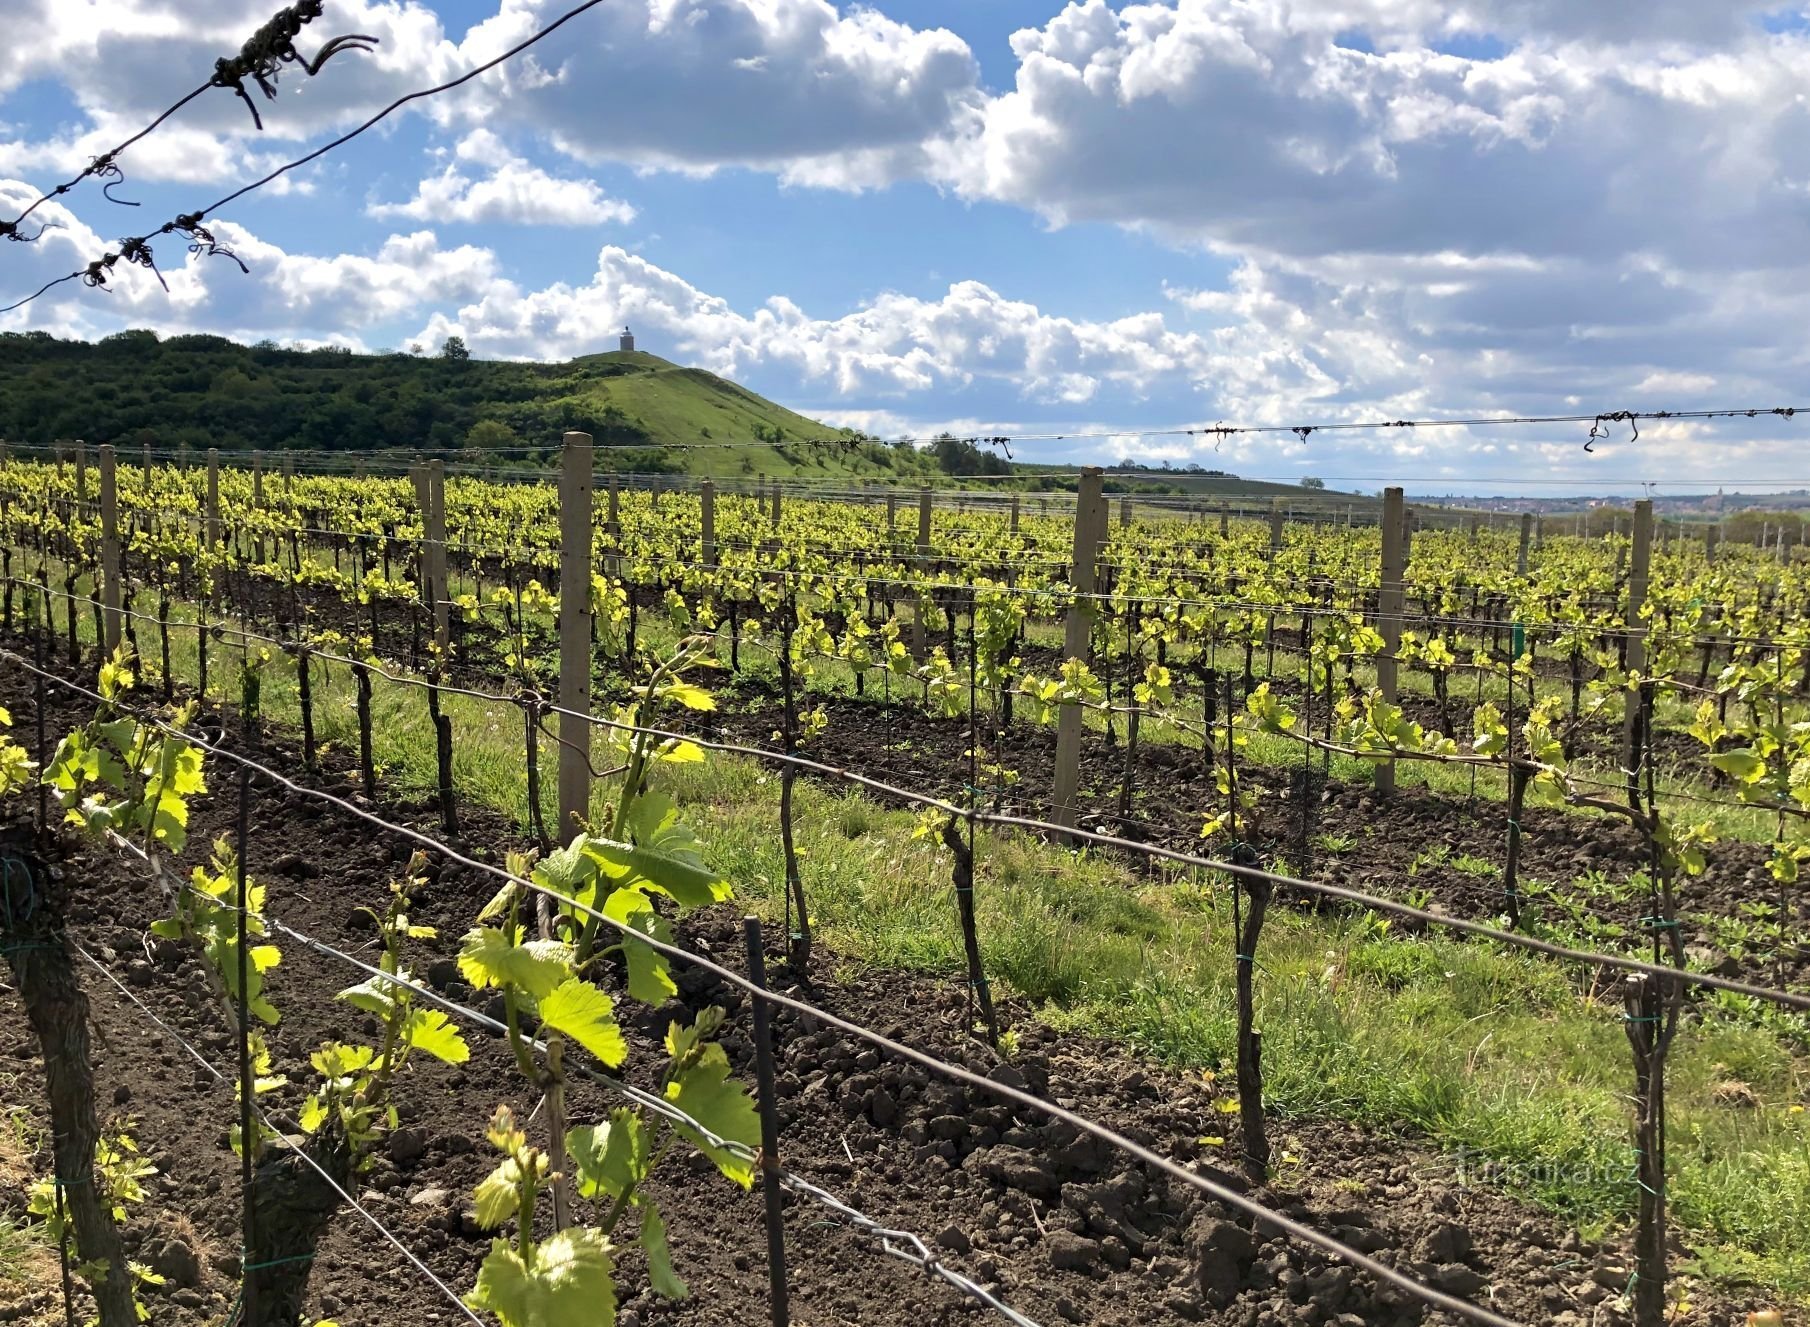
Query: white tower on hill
pixel 628 340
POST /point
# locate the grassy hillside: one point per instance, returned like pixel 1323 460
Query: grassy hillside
pixel 206 391
pixel 645 413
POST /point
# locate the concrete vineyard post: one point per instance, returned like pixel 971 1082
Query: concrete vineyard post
pixel 1526 537
pixel 892 520
pixel 613 521
pixel 1014 513
pixel 110 586
pixel 1275 528
pixel 257 499
pixel 213 498
pixel 1124 512
pixel 920 641
pixel 707 523
pixel 81 476
pixel 423 500
pixel 1389 610
pixel 145 470
pixel 1225 520
pixel 1539 532
pixel 289 473
pixel 776 504
pixel 1090 532
pixel 436 552
pixel 1474 526
pixel 1638 571
pixel 574 632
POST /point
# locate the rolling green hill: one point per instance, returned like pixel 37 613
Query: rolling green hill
pixel 645 413
pixel 206 391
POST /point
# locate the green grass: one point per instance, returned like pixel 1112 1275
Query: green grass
pixel 672 403
pixel 27 1262
pixel 1487 1051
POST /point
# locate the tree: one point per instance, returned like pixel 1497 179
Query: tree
pixel 491 435
pixel 1313 483
pixel 455 350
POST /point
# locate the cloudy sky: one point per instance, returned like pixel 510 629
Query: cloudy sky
pixel 1001 215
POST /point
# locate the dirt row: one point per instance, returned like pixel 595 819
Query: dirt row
pixel 1446 852
pixel 1058 1225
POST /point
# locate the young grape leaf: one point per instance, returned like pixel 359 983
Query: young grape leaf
pixel 660 1273
pixel 566 871
pixel 428 1030
pixel 570 1283
pixel 649 975
pixel 582 1012
pixel 688 694
pixel 707 1094
pixel 498 1194
pixel 371 995
pixel 488 959
pixel 609 1157
pixel 665 854
pixel 1741 764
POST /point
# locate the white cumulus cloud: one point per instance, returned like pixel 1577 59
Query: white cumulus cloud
pixel 513 192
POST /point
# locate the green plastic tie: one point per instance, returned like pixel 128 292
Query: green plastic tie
pixel 276 1262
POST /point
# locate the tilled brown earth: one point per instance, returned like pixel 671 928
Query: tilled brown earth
pixel 1572 866
pixel 1059 1225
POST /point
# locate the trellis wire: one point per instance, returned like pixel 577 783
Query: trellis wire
pixel 1220 1193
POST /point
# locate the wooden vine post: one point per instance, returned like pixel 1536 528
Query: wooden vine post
pixel 1090 532
pixel 1526 539
pixel 1014 513
pixel 707 523
pixel 1389 613
pixel 1638 573
pixel 575 631
pixel 81 476
pixel 111 597
pixel 1275 528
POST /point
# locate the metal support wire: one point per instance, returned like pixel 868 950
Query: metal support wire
pixel 1355 897
pixel 452 1295
pixel 1230 1197
pixel 897 1243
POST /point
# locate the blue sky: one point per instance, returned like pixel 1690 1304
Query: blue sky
pixel 1003 215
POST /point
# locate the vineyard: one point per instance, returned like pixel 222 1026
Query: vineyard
pixel 579 897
